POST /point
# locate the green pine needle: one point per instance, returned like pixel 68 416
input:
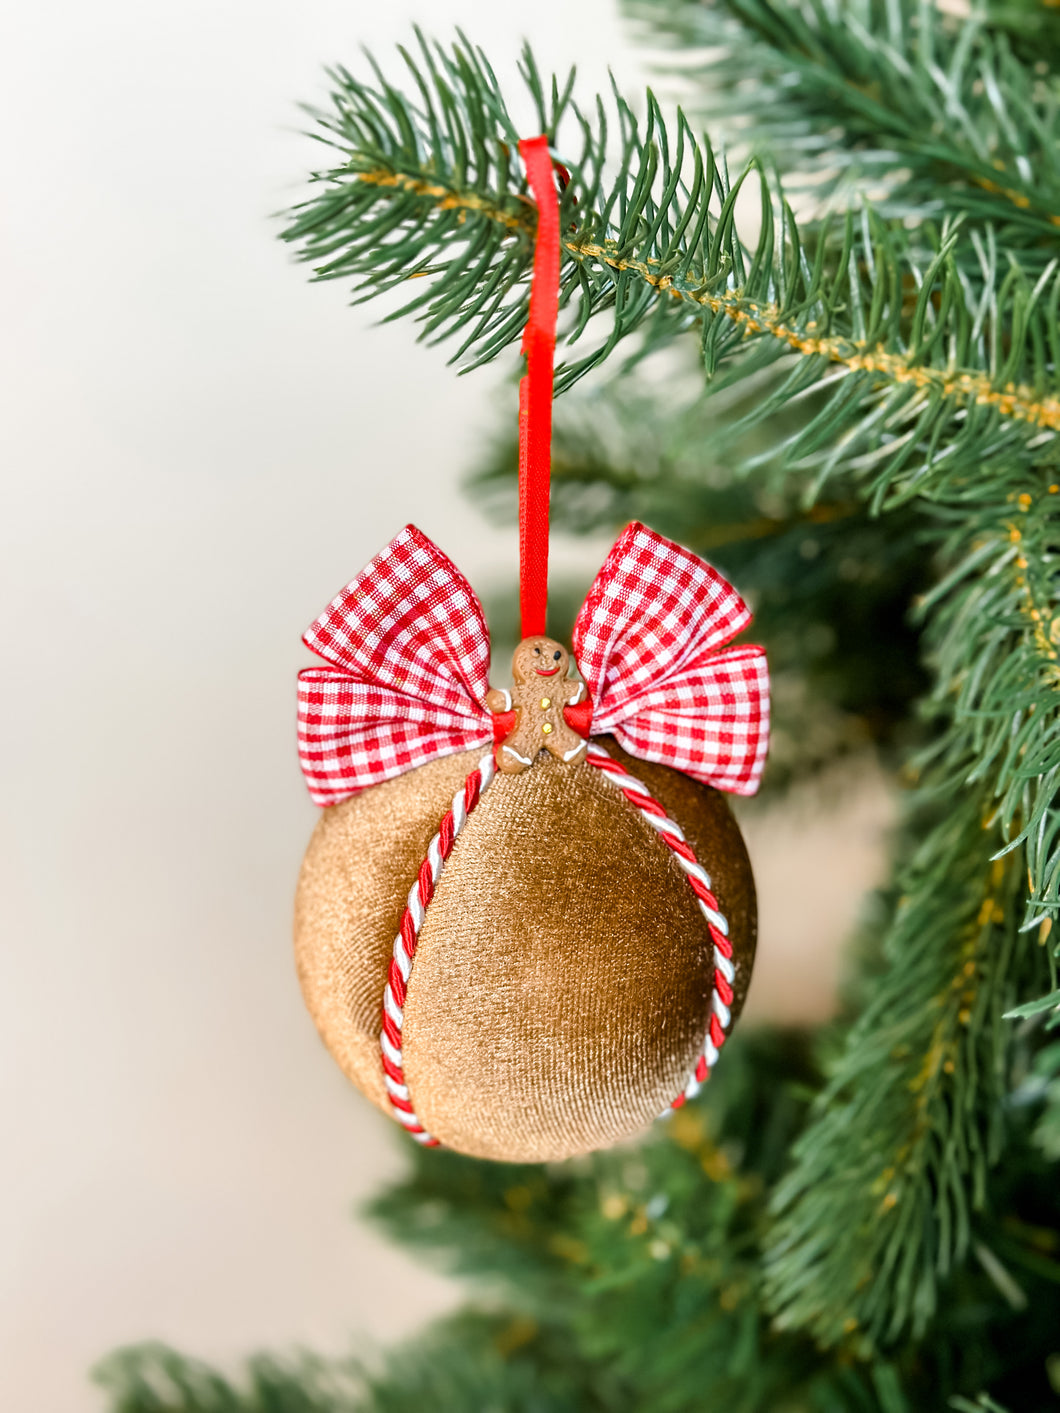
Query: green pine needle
pixel 927 369
pixel 932 112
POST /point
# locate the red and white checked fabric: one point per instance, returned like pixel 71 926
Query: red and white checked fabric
pixel 649 641
pixel 410 653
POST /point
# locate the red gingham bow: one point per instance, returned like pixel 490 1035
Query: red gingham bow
pixel 647 642
pixel 409 650
pixel 411 653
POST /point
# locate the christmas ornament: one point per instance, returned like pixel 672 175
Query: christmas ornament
pixel 513 936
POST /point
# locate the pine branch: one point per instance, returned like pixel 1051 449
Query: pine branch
pixel 1042 1084
pixel 935 109
pixel 631 1282
pixel 1048 1076
pixel 922 371
pixel 152 1378
pixel 894 1164
pixel 878 1208
pixel 983 1404
pixel 670 1228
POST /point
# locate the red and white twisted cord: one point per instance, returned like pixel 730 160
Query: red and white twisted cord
pixel 422 891
pixel 699 881
pixel 420 895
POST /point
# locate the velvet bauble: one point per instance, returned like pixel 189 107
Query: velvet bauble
pixel 563 978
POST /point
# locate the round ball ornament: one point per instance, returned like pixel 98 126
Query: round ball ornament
pixel 525 922
pixel 526 919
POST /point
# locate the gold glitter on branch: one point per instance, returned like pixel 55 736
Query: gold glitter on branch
pixel 1016 402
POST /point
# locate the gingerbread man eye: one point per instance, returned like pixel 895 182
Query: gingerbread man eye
pixel 537 652
pixel 557 656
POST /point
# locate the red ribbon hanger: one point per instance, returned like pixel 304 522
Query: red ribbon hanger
pixel 535 392
pixel 406 648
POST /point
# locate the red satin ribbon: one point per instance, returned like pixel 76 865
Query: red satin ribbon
pixel 535 392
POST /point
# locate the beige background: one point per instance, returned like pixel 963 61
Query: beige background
pixel 198 449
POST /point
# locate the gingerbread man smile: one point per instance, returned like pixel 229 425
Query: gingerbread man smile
pixel 543 671
pixel 539 721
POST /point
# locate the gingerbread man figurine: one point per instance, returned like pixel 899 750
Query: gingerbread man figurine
pixel 540 692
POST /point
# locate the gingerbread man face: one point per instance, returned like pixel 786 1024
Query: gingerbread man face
pixel 540 659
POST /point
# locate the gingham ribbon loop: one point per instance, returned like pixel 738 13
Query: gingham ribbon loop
pixel 410 652
pixel 650 642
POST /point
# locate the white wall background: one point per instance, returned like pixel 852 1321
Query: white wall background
pixel 198 448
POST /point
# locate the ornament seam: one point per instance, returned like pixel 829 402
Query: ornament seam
pixel 396 990
pixel 650 810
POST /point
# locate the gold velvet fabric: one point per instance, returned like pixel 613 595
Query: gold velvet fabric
pixel 561 987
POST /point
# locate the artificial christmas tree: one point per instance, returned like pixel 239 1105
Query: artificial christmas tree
pixel 869 1219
